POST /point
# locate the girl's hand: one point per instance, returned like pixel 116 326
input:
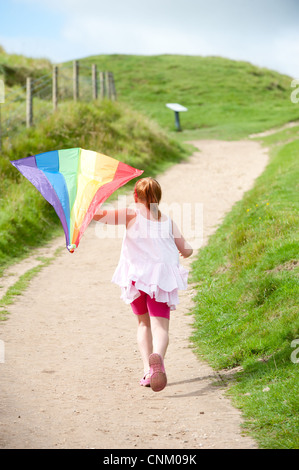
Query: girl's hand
pixel 182 245
pixel 187 252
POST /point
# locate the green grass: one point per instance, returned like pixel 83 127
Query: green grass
pixel 246 307
pixel 22 283
pixel 15 68
pixel 225 98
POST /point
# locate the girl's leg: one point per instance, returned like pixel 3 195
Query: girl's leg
pixel 159 315
pixel 160 329
pixel 144 339
pixel 144 335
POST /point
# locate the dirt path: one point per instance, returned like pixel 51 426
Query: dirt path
pixel 71 373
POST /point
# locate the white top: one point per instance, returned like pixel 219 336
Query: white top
pixel 149 257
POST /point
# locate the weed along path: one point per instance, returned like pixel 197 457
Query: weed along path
pixel 71 373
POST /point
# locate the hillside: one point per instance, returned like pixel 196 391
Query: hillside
pixel 225 98
pixel 14 68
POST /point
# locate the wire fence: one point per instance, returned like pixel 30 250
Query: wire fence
pixel 27 105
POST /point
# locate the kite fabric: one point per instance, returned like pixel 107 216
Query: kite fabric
pixel 75 182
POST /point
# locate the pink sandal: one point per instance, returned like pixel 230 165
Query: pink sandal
pixel 146 380
pixel 158 378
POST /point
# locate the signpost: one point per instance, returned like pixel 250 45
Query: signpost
pixel 177 108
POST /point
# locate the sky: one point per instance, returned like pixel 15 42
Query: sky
pixel 263 32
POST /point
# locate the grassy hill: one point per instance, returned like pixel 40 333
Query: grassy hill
pixel 15 68
pixel 225 98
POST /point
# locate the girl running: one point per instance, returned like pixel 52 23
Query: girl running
pixel 149 273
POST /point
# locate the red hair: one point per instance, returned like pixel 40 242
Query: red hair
pixel 149 191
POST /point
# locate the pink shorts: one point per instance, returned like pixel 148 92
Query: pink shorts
pixel 144 303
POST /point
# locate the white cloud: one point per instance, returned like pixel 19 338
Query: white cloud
pixel 110 36
pixel 28 46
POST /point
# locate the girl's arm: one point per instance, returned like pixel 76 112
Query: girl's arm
pixel 182 245
pixel 115 217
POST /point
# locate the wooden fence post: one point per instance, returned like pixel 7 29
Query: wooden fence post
pixel 94 82
pixel 110 86
pixel 76 80
pixel 107 85
pixel 102 85
pixel 55 87
pixel 29 108
pixel 113 90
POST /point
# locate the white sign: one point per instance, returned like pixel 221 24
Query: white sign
pixel 176 107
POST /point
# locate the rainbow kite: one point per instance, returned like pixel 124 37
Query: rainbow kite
pixel 75 181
